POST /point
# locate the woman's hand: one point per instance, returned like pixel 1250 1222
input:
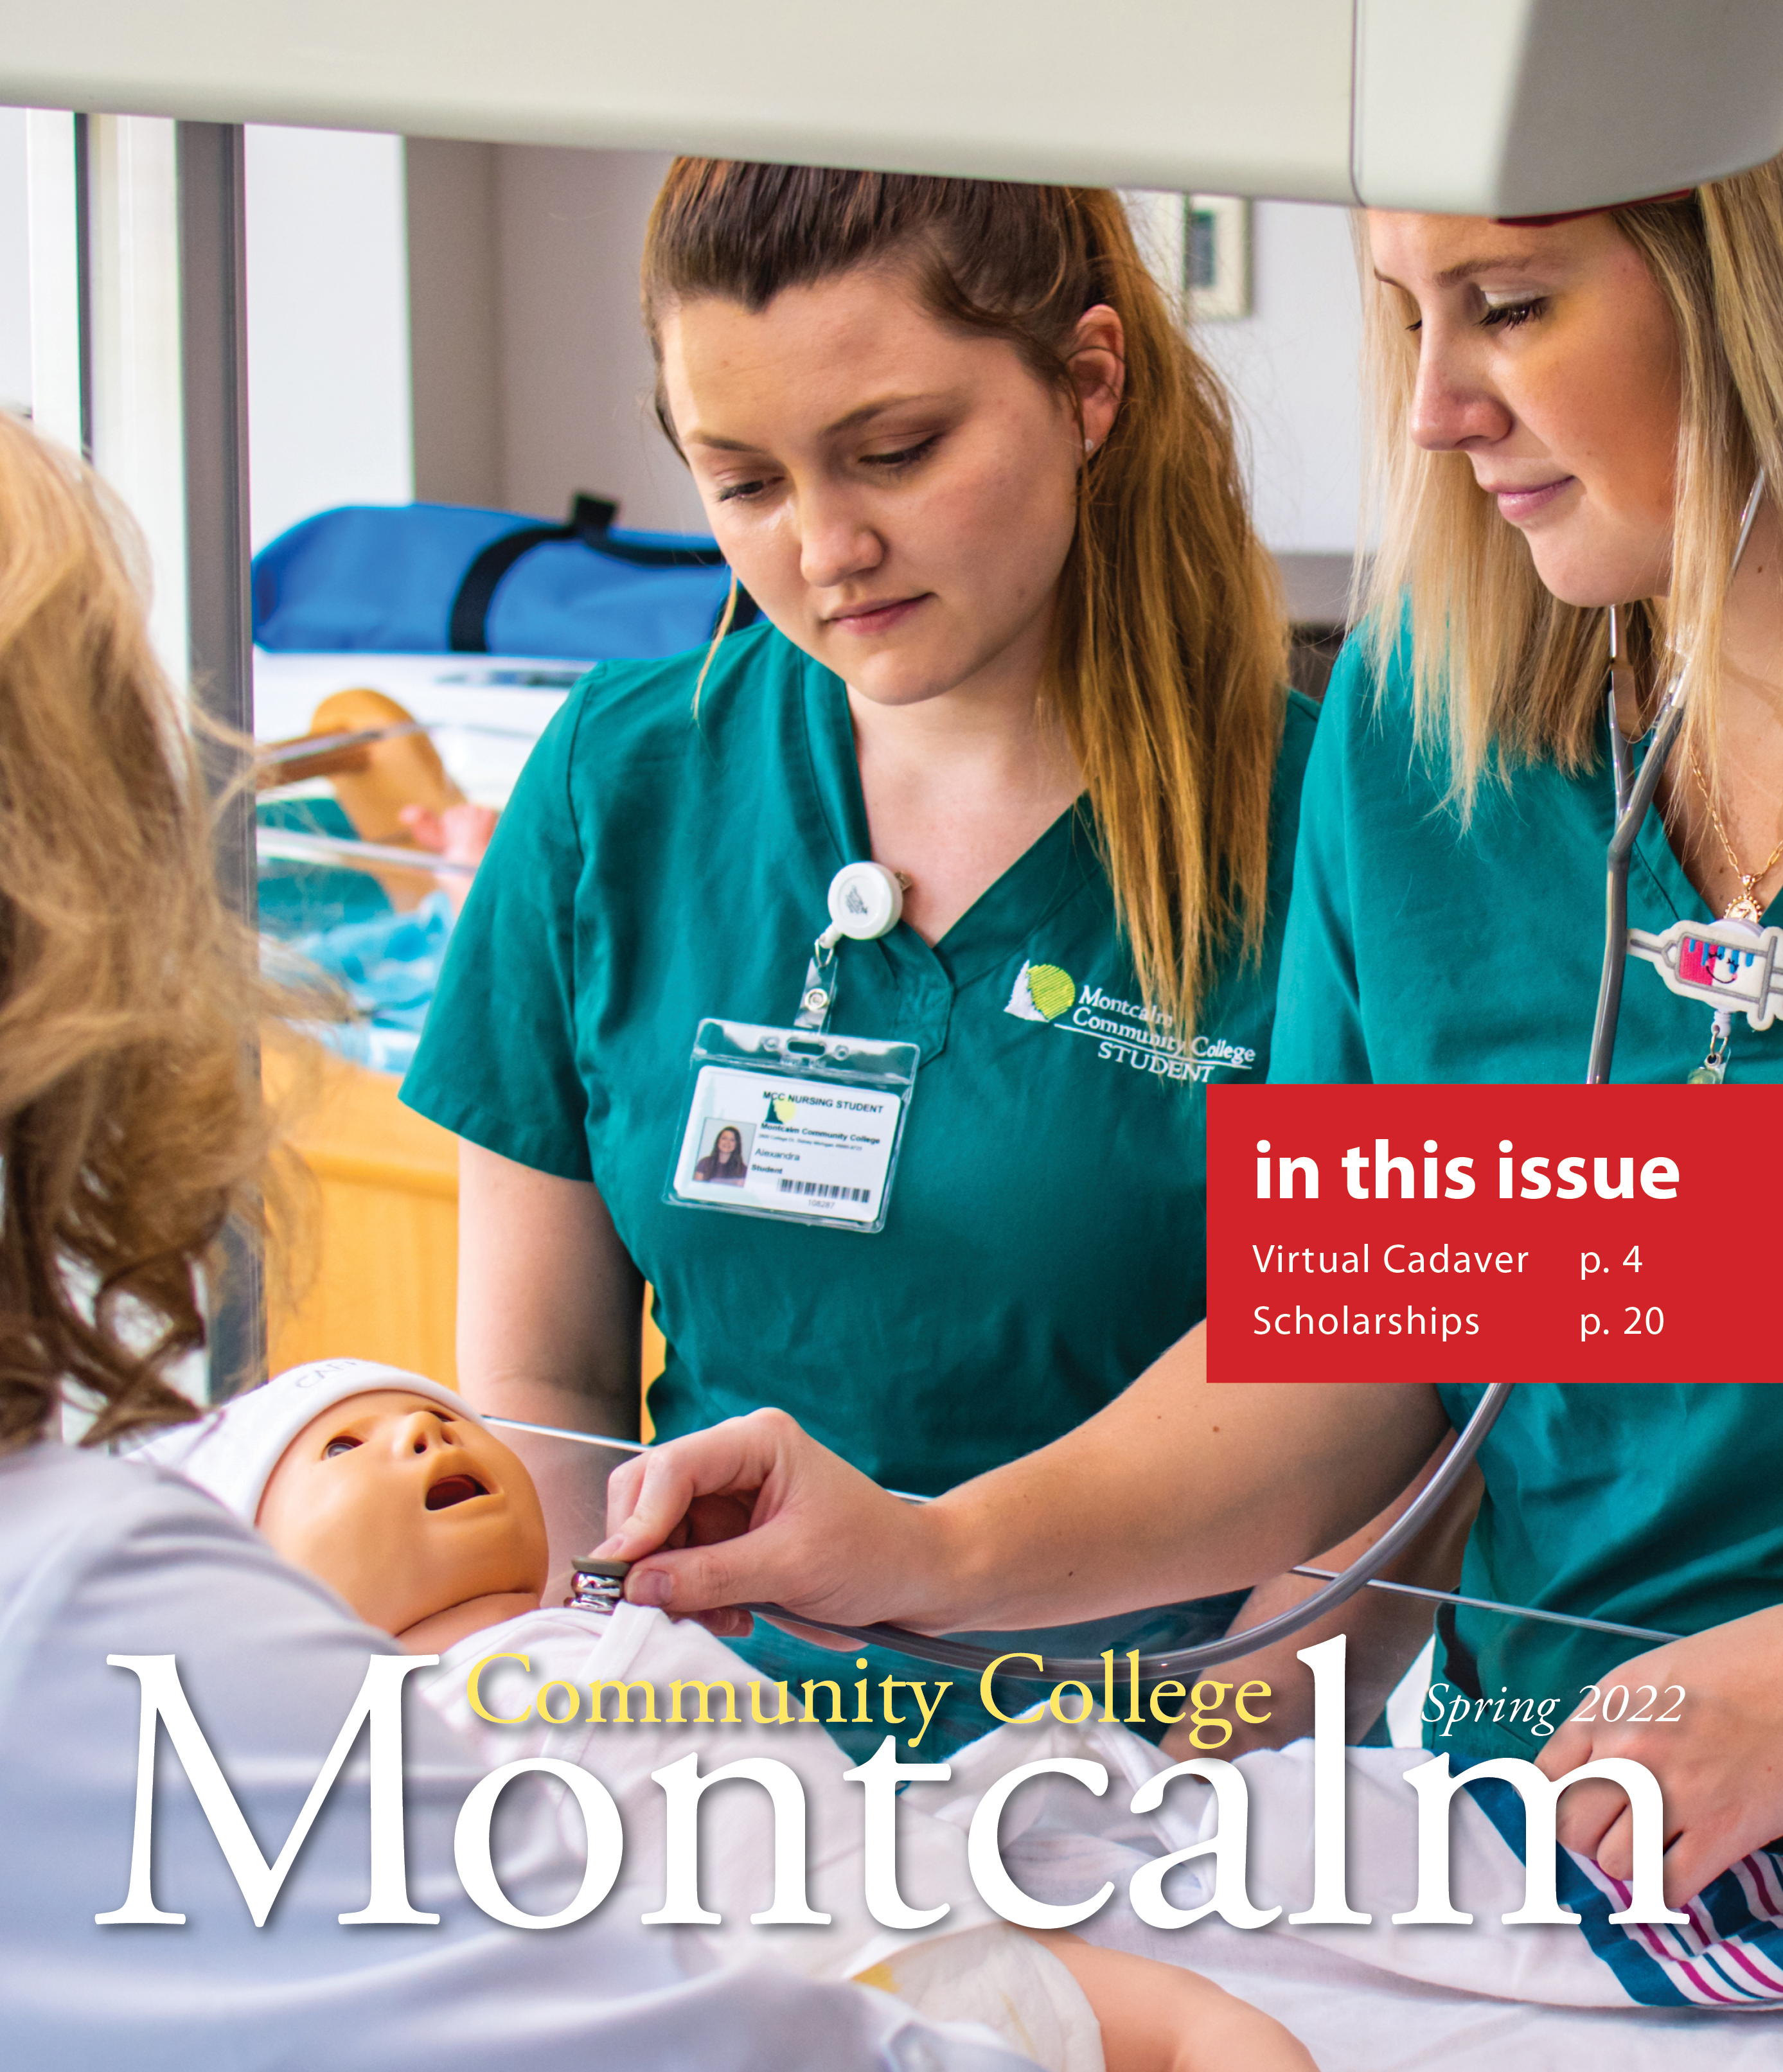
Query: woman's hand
pixel 1720 1762
pixel 755 1511
pixel 1176 1489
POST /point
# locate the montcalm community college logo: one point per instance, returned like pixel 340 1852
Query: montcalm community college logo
pixel 1041 993
pixel 1125 1032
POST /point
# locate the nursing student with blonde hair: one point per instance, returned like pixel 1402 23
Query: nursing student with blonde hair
pixel 1569 416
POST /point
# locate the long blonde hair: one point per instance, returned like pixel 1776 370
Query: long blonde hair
pixel 1502 672
pixel 132 1126
pixel 1168 662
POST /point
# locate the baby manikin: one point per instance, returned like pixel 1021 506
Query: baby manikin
pixel 389 1489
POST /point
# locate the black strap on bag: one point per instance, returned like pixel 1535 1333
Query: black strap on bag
pixel 590 521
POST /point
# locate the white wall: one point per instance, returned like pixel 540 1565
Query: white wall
pixel 328 387
pixel 328 316
pixel 14 266
pixel 455 321
pixel 546 295
pixel 532 378
pixel 1292 368
pixel 575 374
pixel 575 371
pixel 454 329
pixel 138 413
pixel 58 408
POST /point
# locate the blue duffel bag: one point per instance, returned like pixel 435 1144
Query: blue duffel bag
pixel 443 578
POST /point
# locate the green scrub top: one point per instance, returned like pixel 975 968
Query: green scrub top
pixel 1044 1235
pixel 1416 952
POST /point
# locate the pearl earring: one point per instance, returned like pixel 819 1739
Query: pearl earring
pixel 1089 446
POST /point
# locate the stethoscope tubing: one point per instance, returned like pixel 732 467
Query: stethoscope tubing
pixel 1229 1647
pixel 1510 1611
pixel 1338 1589
pixel 1633 801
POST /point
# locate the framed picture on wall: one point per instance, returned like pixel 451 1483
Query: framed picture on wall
pixel 1216 256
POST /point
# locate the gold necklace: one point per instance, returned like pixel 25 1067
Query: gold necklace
pixel 1748 906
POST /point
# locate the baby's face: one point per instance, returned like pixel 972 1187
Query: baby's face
pixel 405 1509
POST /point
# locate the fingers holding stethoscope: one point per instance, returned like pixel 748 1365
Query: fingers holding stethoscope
pixel 751 1510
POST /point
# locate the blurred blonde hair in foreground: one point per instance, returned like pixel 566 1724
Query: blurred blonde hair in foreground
pixel 133 1129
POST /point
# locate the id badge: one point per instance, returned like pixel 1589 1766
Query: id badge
pixel 792 1123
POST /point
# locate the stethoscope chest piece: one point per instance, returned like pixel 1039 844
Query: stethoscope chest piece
pixel 598 1586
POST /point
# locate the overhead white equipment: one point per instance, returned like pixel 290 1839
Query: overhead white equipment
pixel 1497 107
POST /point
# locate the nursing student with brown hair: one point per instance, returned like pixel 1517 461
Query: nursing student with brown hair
pixel 1019 647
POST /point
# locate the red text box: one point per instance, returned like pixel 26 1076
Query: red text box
pixel 1387 1233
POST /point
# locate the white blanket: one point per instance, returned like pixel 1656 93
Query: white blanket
pixel 1376 1997
pixel 1363 1999
pixel 966 1967
pixel 736 1824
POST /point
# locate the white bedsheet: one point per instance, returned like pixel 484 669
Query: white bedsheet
pixel 1355 2018
pixel 1484 1998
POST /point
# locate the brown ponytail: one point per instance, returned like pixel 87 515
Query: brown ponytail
pixel 1169 655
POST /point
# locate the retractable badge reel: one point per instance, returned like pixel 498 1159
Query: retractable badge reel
pixel 796 1123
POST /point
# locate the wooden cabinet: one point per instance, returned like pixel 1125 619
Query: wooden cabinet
pixel 376 1271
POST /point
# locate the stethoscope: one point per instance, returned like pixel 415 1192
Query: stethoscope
pixel 1635 797
pixel 1338 1589
pixel 1634 794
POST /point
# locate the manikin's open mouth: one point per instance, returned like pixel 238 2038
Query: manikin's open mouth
pixel 453 1489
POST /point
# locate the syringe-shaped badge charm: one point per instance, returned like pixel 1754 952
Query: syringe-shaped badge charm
pixel 1733 965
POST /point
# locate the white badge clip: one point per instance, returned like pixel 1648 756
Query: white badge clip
pixel 866 901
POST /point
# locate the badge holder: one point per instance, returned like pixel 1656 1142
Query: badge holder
pixel 1732 965
pixel 797 1124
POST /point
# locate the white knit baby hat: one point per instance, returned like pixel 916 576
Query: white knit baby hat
pixel 232 1451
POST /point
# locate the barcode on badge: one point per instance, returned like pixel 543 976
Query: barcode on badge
pixel 819 1191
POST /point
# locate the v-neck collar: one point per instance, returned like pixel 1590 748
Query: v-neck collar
pixel 1052 869
pixel 1664 869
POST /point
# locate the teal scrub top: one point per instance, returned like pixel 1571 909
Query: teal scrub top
pixel 1045 1234
pixel 1417 952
